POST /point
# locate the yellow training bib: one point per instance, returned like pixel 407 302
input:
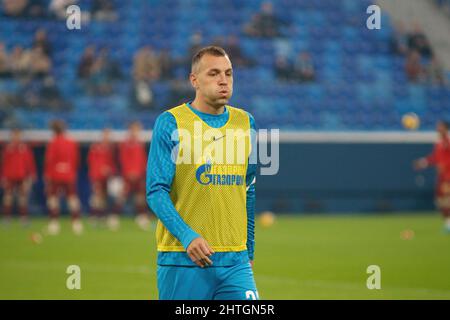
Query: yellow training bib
pixel 209 187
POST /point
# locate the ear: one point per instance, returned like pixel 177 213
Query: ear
pixel 193 79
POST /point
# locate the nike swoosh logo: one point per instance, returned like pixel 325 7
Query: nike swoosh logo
pixel 215 139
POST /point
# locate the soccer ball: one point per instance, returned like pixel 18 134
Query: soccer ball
pixel 410 121
pixel 407 234
pixel 36 238
pixel 267 219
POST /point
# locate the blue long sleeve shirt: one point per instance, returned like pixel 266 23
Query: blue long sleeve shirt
pixel 160 173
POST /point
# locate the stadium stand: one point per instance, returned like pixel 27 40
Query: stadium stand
pixel 359 83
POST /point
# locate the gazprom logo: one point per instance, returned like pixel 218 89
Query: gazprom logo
pixel 205 175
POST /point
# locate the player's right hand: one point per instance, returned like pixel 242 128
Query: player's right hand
pixel 199 251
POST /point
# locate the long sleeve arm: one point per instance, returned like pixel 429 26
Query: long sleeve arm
pixel 251 193
pixel 160 173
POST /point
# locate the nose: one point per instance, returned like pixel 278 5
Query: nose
pixel 223 79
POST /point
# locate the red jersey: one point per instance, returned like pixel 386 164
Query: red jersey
pixel 440 157
pixel 61 160
pixel 133 160
pixel 18 162
pixel 101 161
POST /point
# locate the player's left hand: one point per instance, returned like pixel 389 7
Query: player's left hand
pixel 199 251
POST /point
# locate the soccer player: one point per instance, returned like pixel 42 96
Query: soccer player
pixel 60 175
pixel 440 158
pixel 205 206
pixel 132 159
pixel 101 166
pixel 18 175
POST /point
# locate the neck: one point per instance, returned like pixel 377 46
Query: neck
pixel 204 107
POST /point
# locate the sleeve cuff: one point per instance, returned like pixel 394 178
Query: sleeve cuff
pixel 251 256
pixel 188 237
pixel 251 252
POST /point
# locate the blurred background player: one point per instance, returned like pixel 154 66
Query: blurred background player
pixel 60 173
pixel 440 158
pixel 101 166
pixel 18 175
pixel 133 162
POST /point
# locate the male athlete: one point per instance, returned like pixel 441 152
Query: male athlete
pixel 62 159
pixel 18 174
pixel 102 167
pixel 440 158
pixel 205 205
pixel 132 159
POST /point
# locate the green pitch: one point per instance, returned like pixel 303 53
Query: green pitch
pixel 309 257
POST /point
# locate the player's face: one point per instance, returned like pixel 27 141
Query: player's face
pixel 135 130
pixel 213 80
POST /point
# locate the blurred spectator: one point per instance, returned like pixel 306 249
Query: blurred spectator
pixel 58 8
pixel 36 8
pixel 146 65
pixel 103 10
pixel 233 49
pixel 304 67
pixel 98 71
pixel 142 95
pixel 40 63
pixel 417 40
pixel 20 61
pixel 413 67
pixel 264 23
pixel 86 63
pixel 436 74
pixel 5 70
pixel 40 40
pixel 283 69
pixel 399 40
pixel 99 78
pixel 14 8
pixel 146 69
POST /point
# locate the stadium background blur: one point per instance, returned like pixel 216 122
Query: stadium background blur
pixel 335 89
